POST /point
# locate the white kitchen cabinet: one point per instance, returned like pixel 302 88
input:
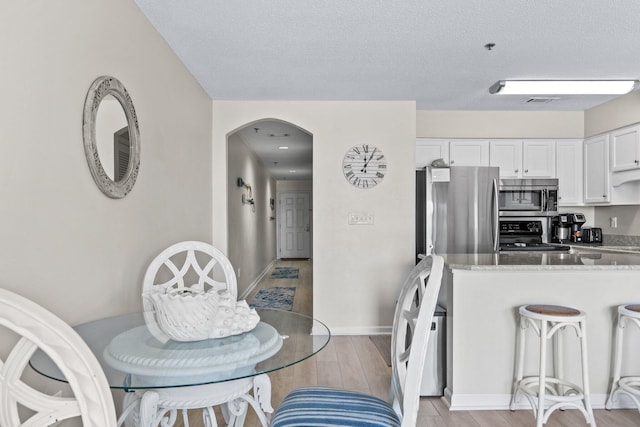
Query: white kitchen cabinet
pixel 507 155
pixel 569 166
pixel 597 186
pixel 625 148
pixel 538 158
pixel 530 158
pixel 469 152
pixel 428 150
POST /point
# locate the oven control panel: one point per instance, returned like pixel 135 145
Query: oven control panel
pixel 526 228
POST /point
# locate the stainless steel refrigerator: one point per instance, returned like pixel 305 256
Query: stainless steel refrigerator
pixel 458 212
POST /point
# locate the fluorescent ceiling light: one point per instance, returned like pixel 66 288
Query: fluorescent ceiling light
pixel 283 147
pixel 563 87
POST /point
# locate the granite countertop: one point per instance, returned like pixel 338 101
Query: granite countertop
pixel 578 258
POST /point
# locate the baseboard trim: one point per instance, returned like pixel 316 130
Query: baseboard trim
pixel 500 402
pixel 366 330
pixel 257 280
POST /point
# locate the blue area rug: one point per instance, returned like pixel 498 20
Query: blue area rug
pixel 285 273
pixel 280 298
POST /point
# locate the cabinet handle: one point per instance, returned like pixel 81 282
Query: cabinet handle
pixel 452 162
pixel 636 161
pixel 516 171
pixel 604 196
pixel 526 171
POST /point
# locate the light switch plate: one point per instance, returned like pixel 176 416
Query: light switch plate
pixel 360 218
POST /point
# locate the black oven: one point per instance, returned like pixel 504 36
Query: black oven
pixel 528 197
pixel 526 235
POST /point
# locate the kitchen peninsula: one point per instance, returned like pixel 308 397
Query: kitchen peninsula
pixel 484 292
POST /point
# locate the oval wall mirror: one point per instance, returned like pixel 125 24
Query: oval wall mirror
pixel 111 137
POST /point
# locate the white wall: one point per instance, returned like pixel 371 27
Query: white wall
pixel 500 124
pixel 614 114
pixel 628 218
pixel 65 244
pixel 289 185
pixel 252 234
pixel 357 269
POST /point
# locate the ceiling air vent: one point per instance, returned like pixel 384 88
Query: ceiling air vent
pixel 541 99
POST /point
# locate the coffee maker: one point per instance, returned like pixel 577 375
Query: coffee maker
pixel 567 227
pixel 561 228
pixel 577 220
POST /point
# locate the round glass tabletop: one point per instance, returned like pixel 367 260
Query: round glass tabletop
pixel 132 358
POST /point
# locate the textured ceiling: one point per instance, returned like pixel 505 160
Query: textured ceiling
pixel 265 139
pixel 423 50
pixel 430 51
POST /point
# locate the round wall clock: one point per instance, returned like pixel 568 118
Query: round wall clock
pixel 364 166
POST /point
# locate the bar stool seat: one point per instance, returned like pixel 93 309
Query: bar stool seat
pixel 628 385
pixel 548 393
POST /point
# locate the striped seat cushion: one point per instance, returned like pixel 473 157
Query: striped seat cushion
pixel 321 406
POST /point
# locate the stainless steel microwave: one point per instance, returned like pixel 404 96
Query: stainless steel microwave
pixel 528 197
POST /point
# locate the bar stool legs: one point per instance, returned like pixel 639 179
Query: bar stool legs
pixel 548 393
pixel 629 386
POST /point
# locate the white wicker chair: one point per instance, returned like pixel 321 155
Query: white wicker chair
pixel 92 401
pixel 204 268
pixel 323 406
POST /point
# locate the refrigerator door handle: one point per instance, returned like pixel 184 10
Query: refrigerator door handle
pixel 496 216
pixel 434 215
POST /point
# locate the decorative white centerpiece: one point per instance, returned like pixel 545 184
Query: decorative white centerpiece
pixel 185 314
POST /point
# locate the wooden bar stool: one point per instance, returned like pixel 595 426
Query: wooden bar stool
pixel 628 385
pixel 551 392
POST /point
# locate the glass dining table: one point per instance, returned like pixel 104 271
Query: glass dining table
pixel 134 360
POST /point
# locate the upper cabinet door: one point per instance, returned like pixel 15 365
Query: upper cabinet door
pixel 539 158
pixel 625 148
pixel 569 172
pixel 596 170
pixel 428 150
pixel 469 152
pixel 529 158
pixel 507 155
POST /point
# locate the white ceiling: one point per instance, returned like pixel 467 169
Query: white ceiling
pixel 265 139
pixel 430 51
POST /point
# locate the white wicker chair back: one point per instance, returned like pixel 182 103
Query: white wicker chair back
pixel 410 335
pixel 38 328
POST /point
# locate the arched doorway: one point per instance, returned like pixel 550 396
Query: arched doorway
pixel 269 167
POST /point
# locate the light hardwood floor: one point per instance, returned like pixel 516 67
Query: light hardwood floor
pixel 353 362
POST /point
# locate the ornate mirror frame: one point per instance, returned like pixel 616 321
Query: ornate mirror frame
pixel 100 88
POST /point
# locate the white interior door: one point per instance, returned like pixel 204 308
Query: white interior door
pixel 295 225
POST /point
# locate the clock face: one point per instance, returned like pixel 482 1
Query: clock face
pixel 364 166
